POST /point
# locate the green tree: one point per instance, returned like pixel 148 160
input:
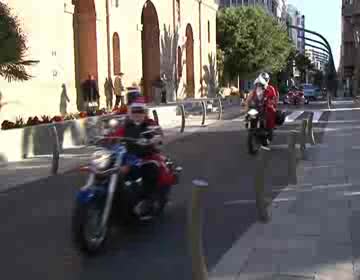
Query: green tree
pixel 12 47
pixel 318 78
pixel 220 59
pixel 251 41
pixel 303 64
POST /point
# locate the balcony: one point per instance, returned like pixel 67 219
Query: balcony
pixel 351 10
pixel 347 10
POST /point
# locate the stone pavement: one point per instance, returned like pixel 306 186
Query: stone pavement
pixel 14 174
pixel 314 232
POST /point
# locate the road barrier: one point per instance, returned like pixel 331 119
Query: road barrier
pixel 199 267
pixel 292 157
pixel 261 203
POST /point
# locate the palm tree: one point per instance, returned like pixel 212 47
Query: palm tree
pixel 12 47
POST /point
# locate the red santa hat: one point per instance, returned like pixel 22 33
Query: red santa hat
pixel 139 102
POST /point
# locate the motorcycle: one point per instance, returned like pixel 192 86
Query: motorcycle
pixel 258 135
pixel 111 195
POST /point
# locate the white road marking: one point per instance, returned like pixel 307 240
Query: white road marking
pixel 285 146
pixel 244 201
pixel 317 116
pixel 293 116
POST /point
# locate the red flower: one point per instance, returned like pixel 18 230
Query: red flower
pixel 83 115
pixel 57 119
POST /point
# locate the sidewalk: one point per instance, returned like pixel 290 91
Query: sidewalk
pixel 314 231
pixel 18 173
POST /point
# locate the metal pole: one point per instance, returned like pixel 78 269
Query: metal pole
pixel 203 105
pixel 182 109
pixel 292 158
pixel 329 100
pixel 303 138
pixel 156 116
pixel 325 41
pixel 261 204
pixel 56 150
pixel 199 268
pixel 310 133
pixel 220 109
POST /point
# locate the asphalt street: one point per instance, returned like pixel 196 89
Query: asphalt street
pixel 35 240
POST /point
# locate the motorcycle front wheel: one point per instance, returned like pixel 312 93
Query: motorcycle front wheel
pixel 88 234
pixel 253 143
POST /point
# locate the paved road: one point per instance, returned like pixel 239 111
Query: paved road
pixel 35 230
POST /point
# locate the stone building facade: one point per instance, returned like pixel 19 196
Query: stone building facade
pixel 349 70
pixel 141 38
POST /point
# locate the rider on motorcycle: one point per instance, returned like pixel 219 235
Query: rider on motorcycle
pixel 270 87
pixel 264 98
pixel 152 168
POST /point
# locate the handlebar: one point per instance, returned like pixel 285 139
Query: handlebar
pixel 138 141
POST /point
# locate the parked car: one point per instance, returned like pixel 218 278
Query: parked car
pixel 310 92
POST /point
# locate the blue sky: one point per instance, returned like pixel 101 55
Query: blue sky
pixel 323 16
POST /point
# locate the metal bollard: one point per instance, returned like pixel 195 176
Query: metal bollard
pixel 329 100
pixel 203 105
pixel 292 158
pixel 199 267
pixel 220 109
pixel 156 116
pixel 261 203
pixel 182 110
pixel 56 150
pixel 310 133
pixel 303 138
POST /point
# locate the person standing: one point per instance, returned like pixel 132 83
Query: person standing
pixel 90 91
pixel 119 90
pixel 109 91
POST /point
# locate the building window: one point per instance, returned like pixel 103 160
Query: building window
pixel 179 57
pixel 208 31
pixel 116 54
pixel 178 11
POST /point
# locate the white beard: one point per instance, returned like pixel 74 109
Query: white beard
pixel 259 94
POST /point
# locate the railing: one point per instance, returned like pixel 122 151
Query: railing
pixel 94 127
pixel 204 110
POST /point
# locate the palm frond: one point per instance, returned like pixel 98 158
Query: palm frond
pixel 13 48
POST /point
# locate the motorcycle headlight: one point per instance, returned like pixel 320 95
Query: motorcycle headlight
pixel 101 159
pixel 253 113
pixel 113 123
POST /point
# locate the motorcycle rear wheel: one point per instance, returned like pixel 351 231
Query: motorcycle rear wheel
pixel 88 236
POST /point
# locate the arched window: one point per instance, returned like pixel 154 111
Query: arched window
pixel 179 62
pixel 116 54
pixel 209 31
